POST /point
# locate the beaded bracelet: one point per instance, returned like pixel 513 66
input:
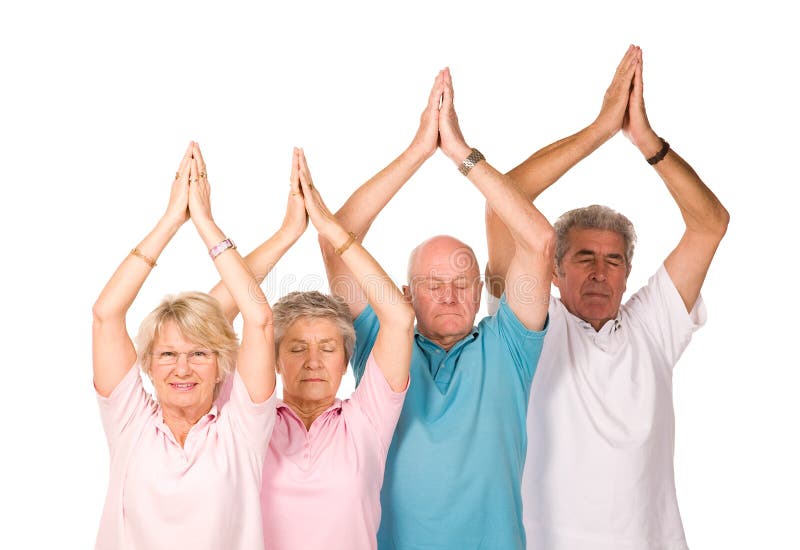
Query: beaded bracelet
pixel 147 259
pixel 339 251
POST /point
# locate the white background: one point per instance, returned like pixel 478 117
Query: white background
pixel 98 101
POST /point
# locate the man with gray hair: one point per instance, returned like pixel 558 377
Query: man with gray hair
pixel 599 470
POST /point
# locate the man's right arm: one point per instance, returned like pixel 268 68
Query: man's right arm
pixel 548 164
pixel 364 205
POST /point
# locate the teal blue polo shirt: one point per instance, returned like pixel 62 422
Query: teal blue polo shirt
pixel 454 468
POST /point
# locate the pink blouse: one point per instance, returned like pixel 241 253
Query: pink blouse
pixel 321 486
pixel 204 495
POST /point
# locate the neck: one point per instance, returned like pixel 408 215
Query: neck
pixel 307 411
pixel 180 421
pixel 444 342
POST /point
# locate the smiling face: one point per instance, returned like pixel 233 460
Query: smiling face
pixel 188 384
pixel 311 361
pixel 592 275
pixel 445 289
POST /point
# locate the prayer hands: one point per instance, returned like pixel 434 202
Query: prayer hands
pixel 296 219
pixel 615 102
pixel 178 206
pixel 635 125
pixel 451 140
pixel 199 190
pixel 322 218
pixel 426 141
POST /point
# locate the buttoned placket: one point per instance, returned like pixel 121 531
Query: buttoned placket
pixel 313 431
pixel 186 451
pixel 442 363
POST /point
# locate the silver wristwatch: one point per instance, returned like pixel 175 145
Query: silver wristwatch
pixel 468 163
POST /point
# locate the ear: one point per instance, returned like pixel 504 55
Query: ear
pixel 407 294
pixel 556 279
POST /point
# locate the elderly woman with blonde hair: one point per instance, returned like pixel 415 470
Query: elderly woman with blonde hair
pixel 324 466
pixel 184 473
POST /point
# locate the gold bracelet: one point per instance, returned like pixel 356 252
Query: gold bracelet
pixel 339 251
pixel 147 259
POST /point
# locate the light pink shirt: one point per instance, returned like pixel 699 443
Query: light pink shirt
pixel 204 495
pixel 322 486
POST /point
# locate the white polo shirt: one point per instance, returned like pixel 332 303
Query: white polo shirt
pixel 601 427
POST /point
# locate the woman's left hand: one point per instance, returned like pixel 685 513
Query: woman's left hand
pixel 325 222
pixel 199 189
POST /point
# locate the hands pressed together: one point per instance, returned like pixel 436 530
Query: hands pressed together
pixel 439 126
pixel 623 105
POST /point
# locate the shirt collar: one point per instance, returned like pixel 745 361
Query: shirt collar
pixel 429 344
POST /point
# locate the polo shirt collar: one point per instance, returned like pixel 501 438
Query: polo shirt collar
pixel 428 344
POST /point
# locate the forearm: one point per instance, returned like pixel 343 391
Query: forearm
pixel 527 226
pixel 235 275
pixel 364 205
pixel 547 165
pixel 701 210
pixel 357 215
pixel 260 262
pixel 120 291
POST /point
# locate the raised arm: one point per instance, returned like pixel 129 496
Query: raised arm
pixel 256 359
pixel 261 260
pixel 705 218
pixel 392 349
pixel 547 165
pixel 364 205
pixel 531 264
pixel 113 353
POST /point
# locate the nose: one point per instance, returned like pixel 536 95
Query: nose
pixel 182 364
pixel 447 295
pixel 599 272
pixel 312 359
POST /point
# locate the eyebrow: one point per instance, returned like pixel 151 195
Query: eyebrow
pixel 304 341
pixel 586 252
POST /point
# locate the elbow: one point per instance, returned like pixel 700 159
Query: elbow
pixel 724 218
pixel 259 316
pixel 541 242
pixel 101 312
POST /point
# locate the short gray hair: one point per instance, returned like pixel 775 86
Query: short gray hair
pixel 595 216
pixel 314 305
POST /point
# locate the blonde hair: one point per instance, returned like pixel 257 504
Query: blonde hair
pixel 200 319
pixel 314 305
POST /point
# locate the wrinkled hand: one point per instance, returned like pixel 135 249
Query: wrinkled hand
pixel 199 189
pixel 178 206
pixel 635 126
pixel 426 141
pixel 322 218
pixel 615 101
pixel 450 138
pixel 296 219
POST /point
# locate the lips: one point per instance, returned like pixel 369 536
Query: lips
pixel 183 386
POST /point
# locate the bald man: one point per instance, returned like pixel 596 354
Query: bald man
pixel 454 467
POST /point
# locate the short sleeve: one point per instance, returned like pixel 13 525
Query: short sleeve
pixel 660 308
pixel 126 406
pixel 254 421
pixel 366 326
pixel 525 345
pixel 381 406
